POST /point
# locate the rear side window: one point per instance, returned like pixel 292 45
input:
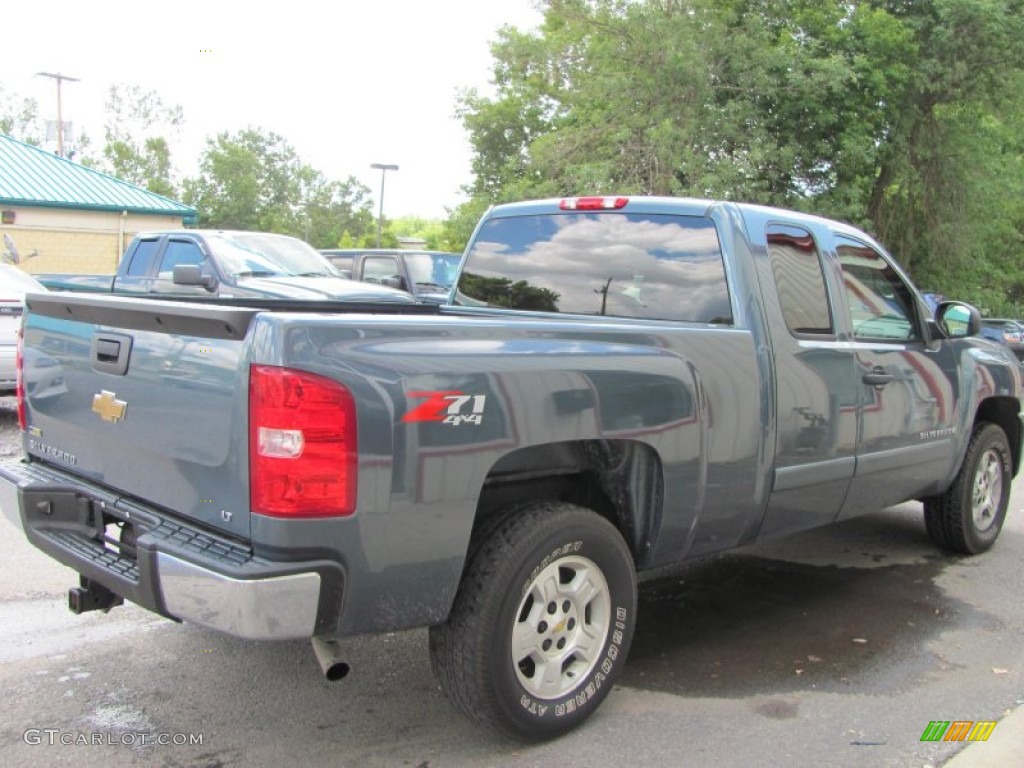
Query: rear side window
pixel 377 268
pixel 344 263
pixel 142 258
pixel 799 280
pixel 658 267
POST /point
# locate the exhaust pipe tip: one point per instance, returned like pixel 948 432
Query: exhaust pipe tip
pixel 336 671
pixel 328 655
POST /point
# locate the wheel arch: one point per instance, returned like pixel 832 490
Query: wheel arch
pixel 621 480
pixel 1005 413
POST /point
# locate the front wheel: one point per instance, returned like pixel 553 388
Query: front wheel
pixel 967 518
pixel 542 622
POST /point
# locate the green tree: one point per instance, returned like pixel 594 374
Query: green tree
pixel 388 239
pixel 19 117
pixel 248 180
pixel 896 116
pixel 136 146
pixel 502 292
pixel 461 222
pixel 431 231
pixel 945 153
pixel 603 98
pixel 333 208
pixel 256 180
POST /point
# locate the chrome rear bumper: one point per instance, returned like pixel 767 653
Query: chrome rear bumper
pixel 174 569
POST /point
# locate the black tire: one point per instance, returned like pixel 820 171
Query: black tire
pixel 967 518
pixel 544 575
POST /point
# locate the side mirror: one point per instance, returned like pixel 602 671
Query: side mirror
pixel 394 282
pixel 957 320
pixel 192 274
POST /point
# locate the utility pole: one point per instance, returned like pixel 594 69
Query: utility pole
pixel 60 113
pixel 383 168
pixel 604 294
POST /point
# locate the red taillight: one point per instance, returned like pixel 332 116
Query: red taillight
pixel 19 387
pixel 302 444
pixel 593 203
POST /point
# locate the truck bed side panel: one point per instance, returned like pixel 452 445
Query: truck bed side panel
pixel 425 456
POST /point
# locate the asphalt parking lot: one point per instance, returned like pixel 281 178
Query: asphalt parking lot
pixel 836 648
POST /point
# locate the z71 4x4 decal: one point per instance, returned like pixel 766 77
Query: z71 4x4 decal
pixel 448 407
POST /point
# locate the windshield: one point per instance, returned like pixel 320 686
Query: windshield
pixel 438 269
pixel 256 254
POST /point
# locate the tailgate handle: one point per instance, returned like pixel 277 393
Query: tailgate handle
pixel 110 353
pixel 107 350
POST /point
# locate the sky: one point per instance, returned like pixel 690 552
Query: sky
pixel 345 84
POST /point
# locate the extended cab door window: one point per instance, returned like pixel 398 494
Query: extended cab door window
pixel 799 280
pixel 142 258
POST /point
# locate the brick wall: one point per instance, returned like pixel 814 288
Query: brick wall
pixel 79 242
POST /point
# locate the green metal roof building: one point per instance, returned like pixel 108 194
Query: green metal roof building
pixel 64 217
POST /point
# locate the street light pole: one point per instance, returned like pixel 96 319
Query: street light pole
pixel 384 168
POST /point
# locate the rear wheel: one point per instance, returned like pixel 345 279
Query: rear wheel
pixel 541 624
pixel 967 518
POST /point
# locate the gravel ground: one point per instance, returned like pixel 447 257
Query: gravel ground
pixel 10 442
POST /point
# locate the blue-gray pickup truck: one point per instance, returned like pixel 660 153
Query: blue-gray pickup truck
pixel 205 263
pixel 620 384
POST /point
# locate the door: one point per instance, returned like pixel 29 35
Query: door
pixel 816 396
pixel 136 276
pixel 907 384
pixel 180 250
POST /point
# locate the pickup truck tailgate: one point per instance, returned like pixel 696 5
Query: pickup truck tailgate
pixel 153 404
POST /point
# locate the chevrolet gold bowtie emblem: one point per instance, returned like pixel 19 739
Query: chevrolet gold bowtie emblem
pixel 108 406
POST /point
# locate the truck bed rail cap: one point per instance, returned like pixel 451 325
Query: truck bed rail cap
pixel 143 314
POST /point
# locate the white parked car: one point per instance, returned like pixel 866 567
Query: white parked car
pixel 14 284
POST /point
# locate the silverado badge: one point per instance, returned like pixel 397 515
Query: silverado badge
pixel 108 406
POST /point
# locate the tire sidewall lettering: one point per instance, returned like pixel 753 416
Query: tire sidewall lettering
pixel 989 535
pixel 480 652
pixel 592 688
pixel 572 547
pixel 598 678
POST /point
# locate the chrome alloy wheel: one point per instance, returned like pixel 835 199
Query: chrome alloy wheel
pixel 987 493
pixel 561 626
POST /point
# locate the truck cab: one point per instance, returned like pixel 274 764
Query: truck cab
pixel 206 264
pixel 427 275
